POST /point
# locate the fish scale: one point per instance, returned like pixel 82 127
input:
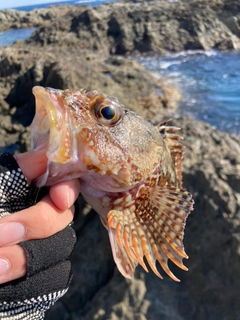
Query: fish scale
pixel 130 172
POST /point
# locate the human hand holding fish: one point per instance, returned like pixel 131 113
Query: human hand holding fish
pixel 49 216
pixel 36 239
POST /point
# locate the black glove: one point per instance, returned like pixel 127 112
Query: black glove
pixel 48 270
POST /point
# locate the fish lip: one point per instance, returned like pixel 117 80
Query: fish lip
pixel 40 125
pixel 48 121
pixel 43 101
pixel 47 104
pixel 51 129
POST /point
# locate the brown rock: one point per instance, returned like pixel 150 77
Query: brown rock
pixel 11 18
pixel 126 28
pixel 152 27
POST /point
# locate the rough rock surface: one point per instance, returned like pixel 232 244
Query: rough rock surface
pixel 11 18
pixel 155 27
pixel 127 28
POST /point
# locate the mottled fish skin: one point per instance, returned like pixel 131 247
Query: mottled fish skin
pixel 129 172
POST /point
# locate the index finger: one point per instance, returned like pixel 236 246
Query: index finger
pixel 39 221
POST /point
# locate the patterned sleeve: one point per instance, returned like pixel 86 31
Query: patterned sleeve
pixel 48 269
pixel 15 194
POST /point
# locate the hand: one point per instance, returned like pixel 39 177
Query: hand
pixel 52 214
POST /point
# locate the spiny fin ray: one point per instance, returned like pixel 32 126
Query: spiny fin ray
pixel 153 228
pixel 176 148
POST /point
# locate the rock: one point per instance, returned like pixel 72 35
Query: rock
pixel 209 290
pixel 11 18
pixel 128 28
pixel 152 27
pixel 9 133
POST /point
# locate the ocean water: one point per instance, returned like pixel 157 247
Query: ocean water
pixel 209 83
pixel 10 36
pixel 71 2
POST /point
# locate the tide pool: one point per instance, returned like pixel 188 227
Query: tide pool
pixel 10 36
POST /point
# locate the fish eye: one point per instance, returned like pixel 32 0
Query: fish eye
pixel 108 112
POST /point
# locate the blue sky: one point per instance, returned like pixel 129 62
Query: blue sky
pixel 18 3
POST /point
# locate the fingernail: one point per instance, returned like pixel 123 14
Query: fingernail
pixel 4 267
pixel 11 232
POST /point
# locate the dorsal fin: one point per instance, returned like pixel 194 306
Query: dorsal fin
pixel 176 148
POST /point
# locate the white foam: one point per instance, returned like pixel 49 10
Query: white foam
pixel 167 64
pixel 186 53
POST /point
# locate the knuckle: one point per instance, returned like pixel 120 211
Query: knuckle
pixel 44 221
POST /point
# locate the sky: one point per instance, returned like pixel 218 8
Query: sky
pixel 19 3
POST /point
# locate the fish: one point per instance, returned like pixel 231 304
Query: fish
pixel 130 172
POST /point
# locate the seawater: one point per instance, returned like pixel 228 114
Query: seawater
pixel 10 36
pixel 209 82
pixel 93 3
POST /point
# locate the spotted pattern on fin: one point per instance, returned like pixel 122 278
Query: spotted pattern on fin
pixel 152 228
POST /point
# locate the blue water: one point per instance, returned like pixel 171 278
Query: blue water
pixel 209 83
pixel 71 2
pixel 10 36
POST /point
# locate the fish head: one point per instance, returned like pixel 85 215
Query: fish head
pixel 91 136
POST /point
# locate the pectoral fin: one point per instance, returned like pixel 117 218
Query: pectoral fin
pixel 152 228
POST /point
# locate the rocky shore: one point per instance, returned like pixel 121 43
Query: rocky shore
pixel 75 47
pixel 153 27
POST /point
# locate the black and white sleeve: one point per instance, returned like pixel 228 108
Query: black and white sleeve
pixel 48 268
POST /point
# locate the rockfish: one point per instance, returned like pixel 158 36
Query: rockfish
pixel 129 172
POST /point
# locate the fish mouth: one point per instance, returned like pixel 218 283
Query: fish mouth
pixel 50 126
